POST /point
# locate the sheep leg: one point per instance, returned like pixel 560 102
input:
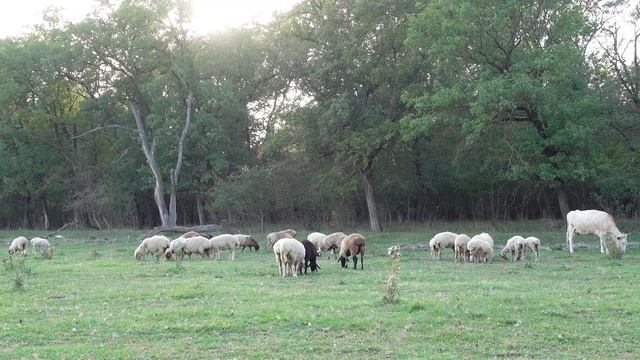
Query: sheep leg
pixel 243 248
pixel 233 254
pixel 361 261
pixel 279 264
pixel 355 262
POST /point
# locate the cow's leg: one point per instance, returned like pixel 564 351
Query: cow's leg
pixel 603 245
pixel 570 234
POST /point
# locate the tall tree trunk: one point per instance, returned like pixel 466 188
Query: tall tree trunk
pixel 26 221
pixel 45 213
pixel 200 207
pixel 175 173
pixel 139 213
pixel 371 199
pixel 563 202
pixel 148 150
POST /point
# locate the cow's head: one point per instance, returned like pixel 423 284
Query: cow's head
pixel 621 241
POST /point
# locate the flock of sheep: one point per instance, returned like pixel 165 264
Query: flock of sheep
pixel 480 247
pixel 292 256
pixel 38 244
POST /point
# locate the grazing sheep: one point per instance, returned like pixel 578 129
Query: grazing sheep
pixel 247 241
pixel 460 248
pixel 190 234
pixel 533 244
pixel 480 248
pixel 316 239
pixel 197 244
pixel 441 241
pixel 224 242
pixel 352 245
pixel 176 246
pixel 310 256
pixel 332 242
pixel 43 246
pixel 19 244
pixel 275 236
pixel 595 222
pixel 157 244
pixel 290 255
pixel 515 246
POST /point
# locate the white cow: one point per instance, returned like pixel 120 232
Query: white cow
pixel 595 222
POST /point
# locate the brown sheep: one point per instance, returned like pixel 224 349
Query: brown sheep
pixel 275 236
pixel 247 241
pixel 352 245
pixel 189 234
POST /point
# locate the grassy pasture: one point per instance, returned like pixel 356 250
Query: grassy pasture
pixel 94 301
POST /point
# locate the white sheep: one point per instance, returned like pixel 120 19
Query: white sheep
pixel 224 242
pixel 332 242
pixel 441 241
pixel 460 248
pixel 532 243
pixel 595 222
pixel 19 244
pixel 42 246
pixel 157 245
pixel 316 239
pixel 176 246
pixel 197 245
pixel 515 246
pixel 290 255
pixel 480 247
pixel 275 236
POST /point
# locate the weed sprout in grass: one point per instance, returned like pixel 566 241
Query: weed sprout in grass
pixel 392 282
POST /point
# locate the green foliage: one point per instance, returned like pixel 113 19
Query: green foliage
pixel 450 109
pixel 18 269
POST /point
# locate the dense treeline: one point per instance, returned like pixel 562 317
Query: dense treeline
pixel 338 112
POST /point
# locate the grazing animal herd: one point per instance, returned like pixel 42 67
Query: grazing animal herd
pixel 293 256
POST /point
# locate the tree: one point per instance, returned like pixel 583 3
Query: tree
pixel 143 53
pixel 354 67
pixel 519 66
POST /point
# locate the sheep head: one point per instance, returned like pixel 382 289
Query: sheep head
pixel 314 266
pixel 343 260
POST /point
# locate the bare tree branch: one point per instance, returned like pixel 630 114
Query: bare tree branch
pixel 101 128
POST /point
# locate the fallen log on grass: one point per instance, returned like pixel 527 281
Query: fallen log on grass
pixel 209 230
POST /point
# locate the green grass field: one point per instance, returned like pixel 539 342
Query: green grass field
pixel 94 301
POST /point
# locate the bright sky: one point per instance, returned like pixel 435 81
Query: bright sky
pixel 208 15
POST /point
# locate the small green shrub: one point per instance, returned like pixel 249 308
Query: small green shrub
pixel 20 270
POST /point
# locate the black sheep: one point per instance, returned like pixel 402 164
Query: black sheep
pixel 310 256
